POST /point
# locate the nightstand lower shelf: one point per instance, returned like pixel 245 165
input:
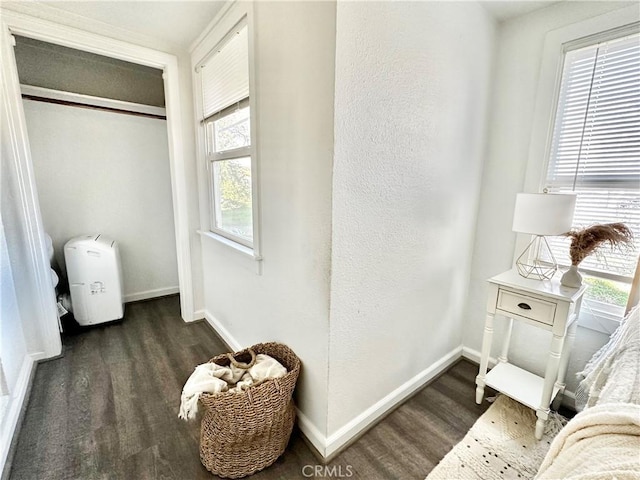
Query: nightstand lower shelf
pixel 519 384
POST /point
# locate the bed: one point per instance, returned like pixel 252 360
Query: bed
pixel 603 440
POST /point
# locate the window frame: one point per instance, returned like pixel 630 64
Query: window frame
pixel 557 43
pixel 613 34
pixel 234 16
pixel 212 158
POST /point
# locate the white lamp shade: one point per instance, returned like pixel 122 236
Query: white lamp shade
pixel 543 213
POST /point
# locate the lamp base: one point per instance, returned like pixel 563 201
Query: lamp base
pixel 529 265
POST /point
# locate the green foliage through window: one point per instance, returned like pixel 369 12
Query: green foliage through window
pixel 606 291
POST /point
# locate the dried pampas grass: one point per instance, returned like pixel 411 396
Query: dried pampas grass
pixel 586 241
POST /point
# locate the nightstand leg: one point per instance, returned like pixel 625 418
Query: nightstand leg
pixel 504 356
pixel 564 362
pixel 540 423
pixel 550 377
pixel 484 359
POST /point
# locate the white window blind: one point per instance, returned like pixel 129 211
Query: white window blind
pixel 225 74
pixel 595 149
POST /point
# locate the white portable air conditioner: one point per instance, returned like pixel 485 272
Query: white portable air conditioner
pixel 95 279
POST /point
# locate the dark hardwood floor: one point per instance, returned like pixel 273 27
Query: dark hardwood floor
pixel 108 410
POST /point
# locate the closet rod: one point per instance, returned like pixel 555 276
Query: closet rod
pixel 91 107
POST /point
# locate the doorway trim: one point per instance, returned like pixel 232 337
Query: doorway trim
pixel 14 23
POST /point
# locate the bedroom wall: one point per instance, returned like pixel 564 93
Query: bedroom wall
pixel 412 89
pixel 104 172
pixel 520 47
pixel 289 300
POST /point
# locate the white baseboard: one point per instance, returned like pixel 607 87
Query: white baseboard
pixel 222 331
pixel 474 356
pixel 327 446
pixel 569 400
pixel 14 408
pixel 311 432
pixel 158 292
pixel 197 315
pixel 37 356
pixel 366 419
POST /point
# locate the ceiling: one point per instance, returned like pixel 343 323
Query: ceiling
pixel 180 22
pixel 506 9
pixel 177 22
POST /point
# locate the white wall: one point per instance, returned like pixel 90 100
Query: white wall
pixel 520 47
pixel 108 173
pixel 289 301
pixel 412 87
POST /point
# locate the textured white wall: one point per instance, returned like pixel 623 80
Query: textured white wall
pixel 520 48
pixel 289 302
pixel 103 172
pixel 412 87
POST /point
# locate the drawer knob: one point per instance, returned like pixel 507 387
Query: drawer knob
pixel 524 306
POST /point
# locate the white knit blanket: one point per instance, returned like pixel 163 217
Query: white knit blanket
pixel 214 378
pixel 602 442
pixel 613 374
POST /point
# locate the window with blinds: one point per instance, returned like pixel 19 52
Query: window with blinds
pixel 595 149
pixel 226 122
pixel 225 74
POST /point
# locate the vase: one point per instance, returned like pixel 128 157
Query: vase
pixel 572 277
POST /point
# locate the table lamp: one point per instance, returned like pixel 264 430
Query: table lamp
pixel 541 214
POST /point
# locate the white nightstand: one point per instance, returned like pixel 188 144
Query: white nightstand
pixel 542 303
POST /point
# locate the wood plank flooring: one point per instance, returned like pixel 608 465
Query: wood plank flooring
pixel 108 410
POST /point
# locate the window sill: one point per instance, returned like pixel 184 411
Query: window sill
pixel 245 252
pixel 598 323
pixel 600 317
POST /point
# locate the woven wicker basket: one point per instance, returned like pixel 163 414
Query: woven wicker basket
pixel 244 432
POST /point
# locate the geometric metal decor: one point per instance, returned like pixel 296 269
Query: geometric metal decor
pixel 532 263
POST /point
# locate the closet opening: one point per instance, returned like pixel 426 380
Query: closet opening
pixel 99 141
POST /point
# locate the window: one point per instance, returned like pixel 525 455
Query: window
pixel 595 152
pixel 226 113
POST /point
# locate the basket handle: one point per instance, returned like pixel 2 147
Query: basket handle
pixel 244 366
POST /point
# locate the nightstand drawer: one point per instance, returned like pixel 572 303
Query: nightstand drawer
pixel 525 306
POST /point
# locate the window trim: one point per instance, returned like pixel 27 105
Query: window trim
pixel 590 41
pixel 557 43
pixel 212 158
pixel 216 33
pixel 214 207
